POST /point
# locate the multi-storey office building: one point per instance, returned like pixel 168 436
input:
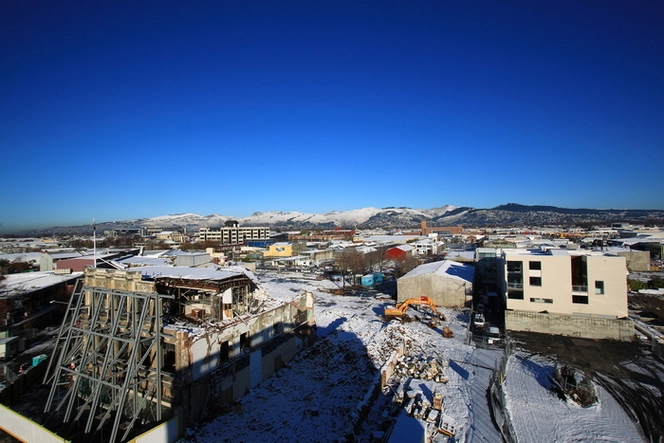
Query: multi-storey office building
pixel 579 293
pixel 233 234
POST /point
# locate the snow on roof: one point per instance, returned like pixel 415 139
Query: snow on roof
pixel 292 258
pixel 15 284
pixel 639 239
pixel 465 254
pixel 25 257
pixel 446 268
pixel 557 252
pixel 206 273
pixel 156 253
pixel 424 241
pixel 65 254
pixel 391 239
pixel 404 248
pixel 144 261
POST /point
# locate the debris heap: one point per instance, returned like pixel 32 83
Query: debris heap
pixel 422 368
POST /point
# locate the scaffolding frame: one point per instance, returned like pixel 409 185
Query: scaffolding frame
pixel 108 360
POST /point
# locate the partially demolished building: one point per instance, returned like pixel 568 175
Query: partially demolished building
pixel 139 347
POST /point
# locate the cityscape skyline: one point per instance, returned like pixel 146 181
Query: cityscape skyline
pixel 125 111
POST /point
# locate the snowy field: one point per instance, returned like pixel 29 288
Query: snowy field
pixel 316 397
pixel 538 414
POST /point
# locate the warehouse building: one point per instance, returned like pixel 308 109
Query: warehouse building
pixel 448 283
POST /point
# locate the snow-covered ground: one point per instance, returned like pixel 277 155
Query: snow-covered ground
pixel 537 414
pixel 316 397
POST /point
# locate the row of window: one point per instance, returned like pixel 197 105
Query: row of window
pixel 576 298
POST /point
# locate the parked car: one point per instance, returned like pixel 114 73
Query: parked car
pixel 494 335
pixel 479 320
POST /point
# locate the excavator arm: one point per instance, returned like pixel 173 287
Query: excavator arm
pixel 400 309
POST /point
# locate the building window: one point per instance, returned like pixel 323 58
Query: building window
pixel 515 295
pixel 224 352
pixel 169 357
pixel 580 299
pixel 514 282
pixel 244 342
pixel 599 287
pixel 535 281
pixel 514 267
pixel 535 265
pixel 541 300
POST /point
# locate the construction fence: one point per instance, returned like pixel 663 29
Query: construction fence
pixel 497 400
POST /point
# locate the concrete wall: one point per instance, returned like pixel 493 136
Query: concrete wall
pixel 445 291
pixel 571 325
pixel 612 270
pixel 210 383
pixel 191 260
pixel 637 261
pixel 25 429
pixel 167 432
pixel 115 279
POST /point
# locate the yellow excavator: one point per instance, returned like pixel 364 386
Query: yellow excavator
pixel 399 311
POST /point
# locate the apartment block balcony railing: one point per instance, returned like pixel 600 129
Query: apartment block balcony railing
pixel 580 288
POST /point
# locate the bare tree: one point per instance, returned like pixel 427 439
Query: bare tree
pixel 348 261
pixel 404 265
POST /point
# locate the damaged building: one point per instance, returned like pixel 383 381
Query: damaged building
pixel 151 345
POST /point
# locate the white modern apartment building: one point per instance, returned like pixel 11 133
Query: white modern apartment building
pixel 558 291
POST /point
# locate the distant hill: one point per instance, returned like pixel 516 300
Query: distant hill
pixel 510 214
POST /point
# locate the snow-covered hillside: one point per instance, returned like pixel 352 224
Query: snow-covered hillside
pixel 357 218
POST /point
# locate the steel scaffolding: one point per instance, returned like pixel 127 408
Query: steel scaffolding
pixel 107 364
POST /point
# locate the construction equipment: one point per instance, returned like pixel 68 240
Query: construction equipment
pixel 399 311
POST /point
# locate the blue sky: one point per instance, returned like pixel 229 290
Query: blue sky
pixel 122 110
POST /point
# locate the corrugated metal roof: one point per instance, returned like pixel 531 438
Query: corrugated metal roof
pixel 15 284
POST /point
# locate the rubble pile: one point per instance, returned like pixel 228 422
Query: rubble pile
pixel 391 338
pixel 422 368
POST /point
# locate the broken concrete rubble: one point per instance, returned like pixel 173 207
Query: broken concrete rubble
pixel 422 367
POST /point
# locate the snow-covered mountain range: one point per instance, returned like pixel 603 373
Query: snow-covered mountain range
pixel 364 218
pixel 393 218
pixel 511 214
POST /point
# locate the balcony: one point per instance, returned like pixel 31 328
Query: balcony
pixel 580 288
pixel 514 285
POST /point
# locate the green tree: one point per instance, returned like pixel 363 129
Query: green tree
pixel 655 283
pixel 635 285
